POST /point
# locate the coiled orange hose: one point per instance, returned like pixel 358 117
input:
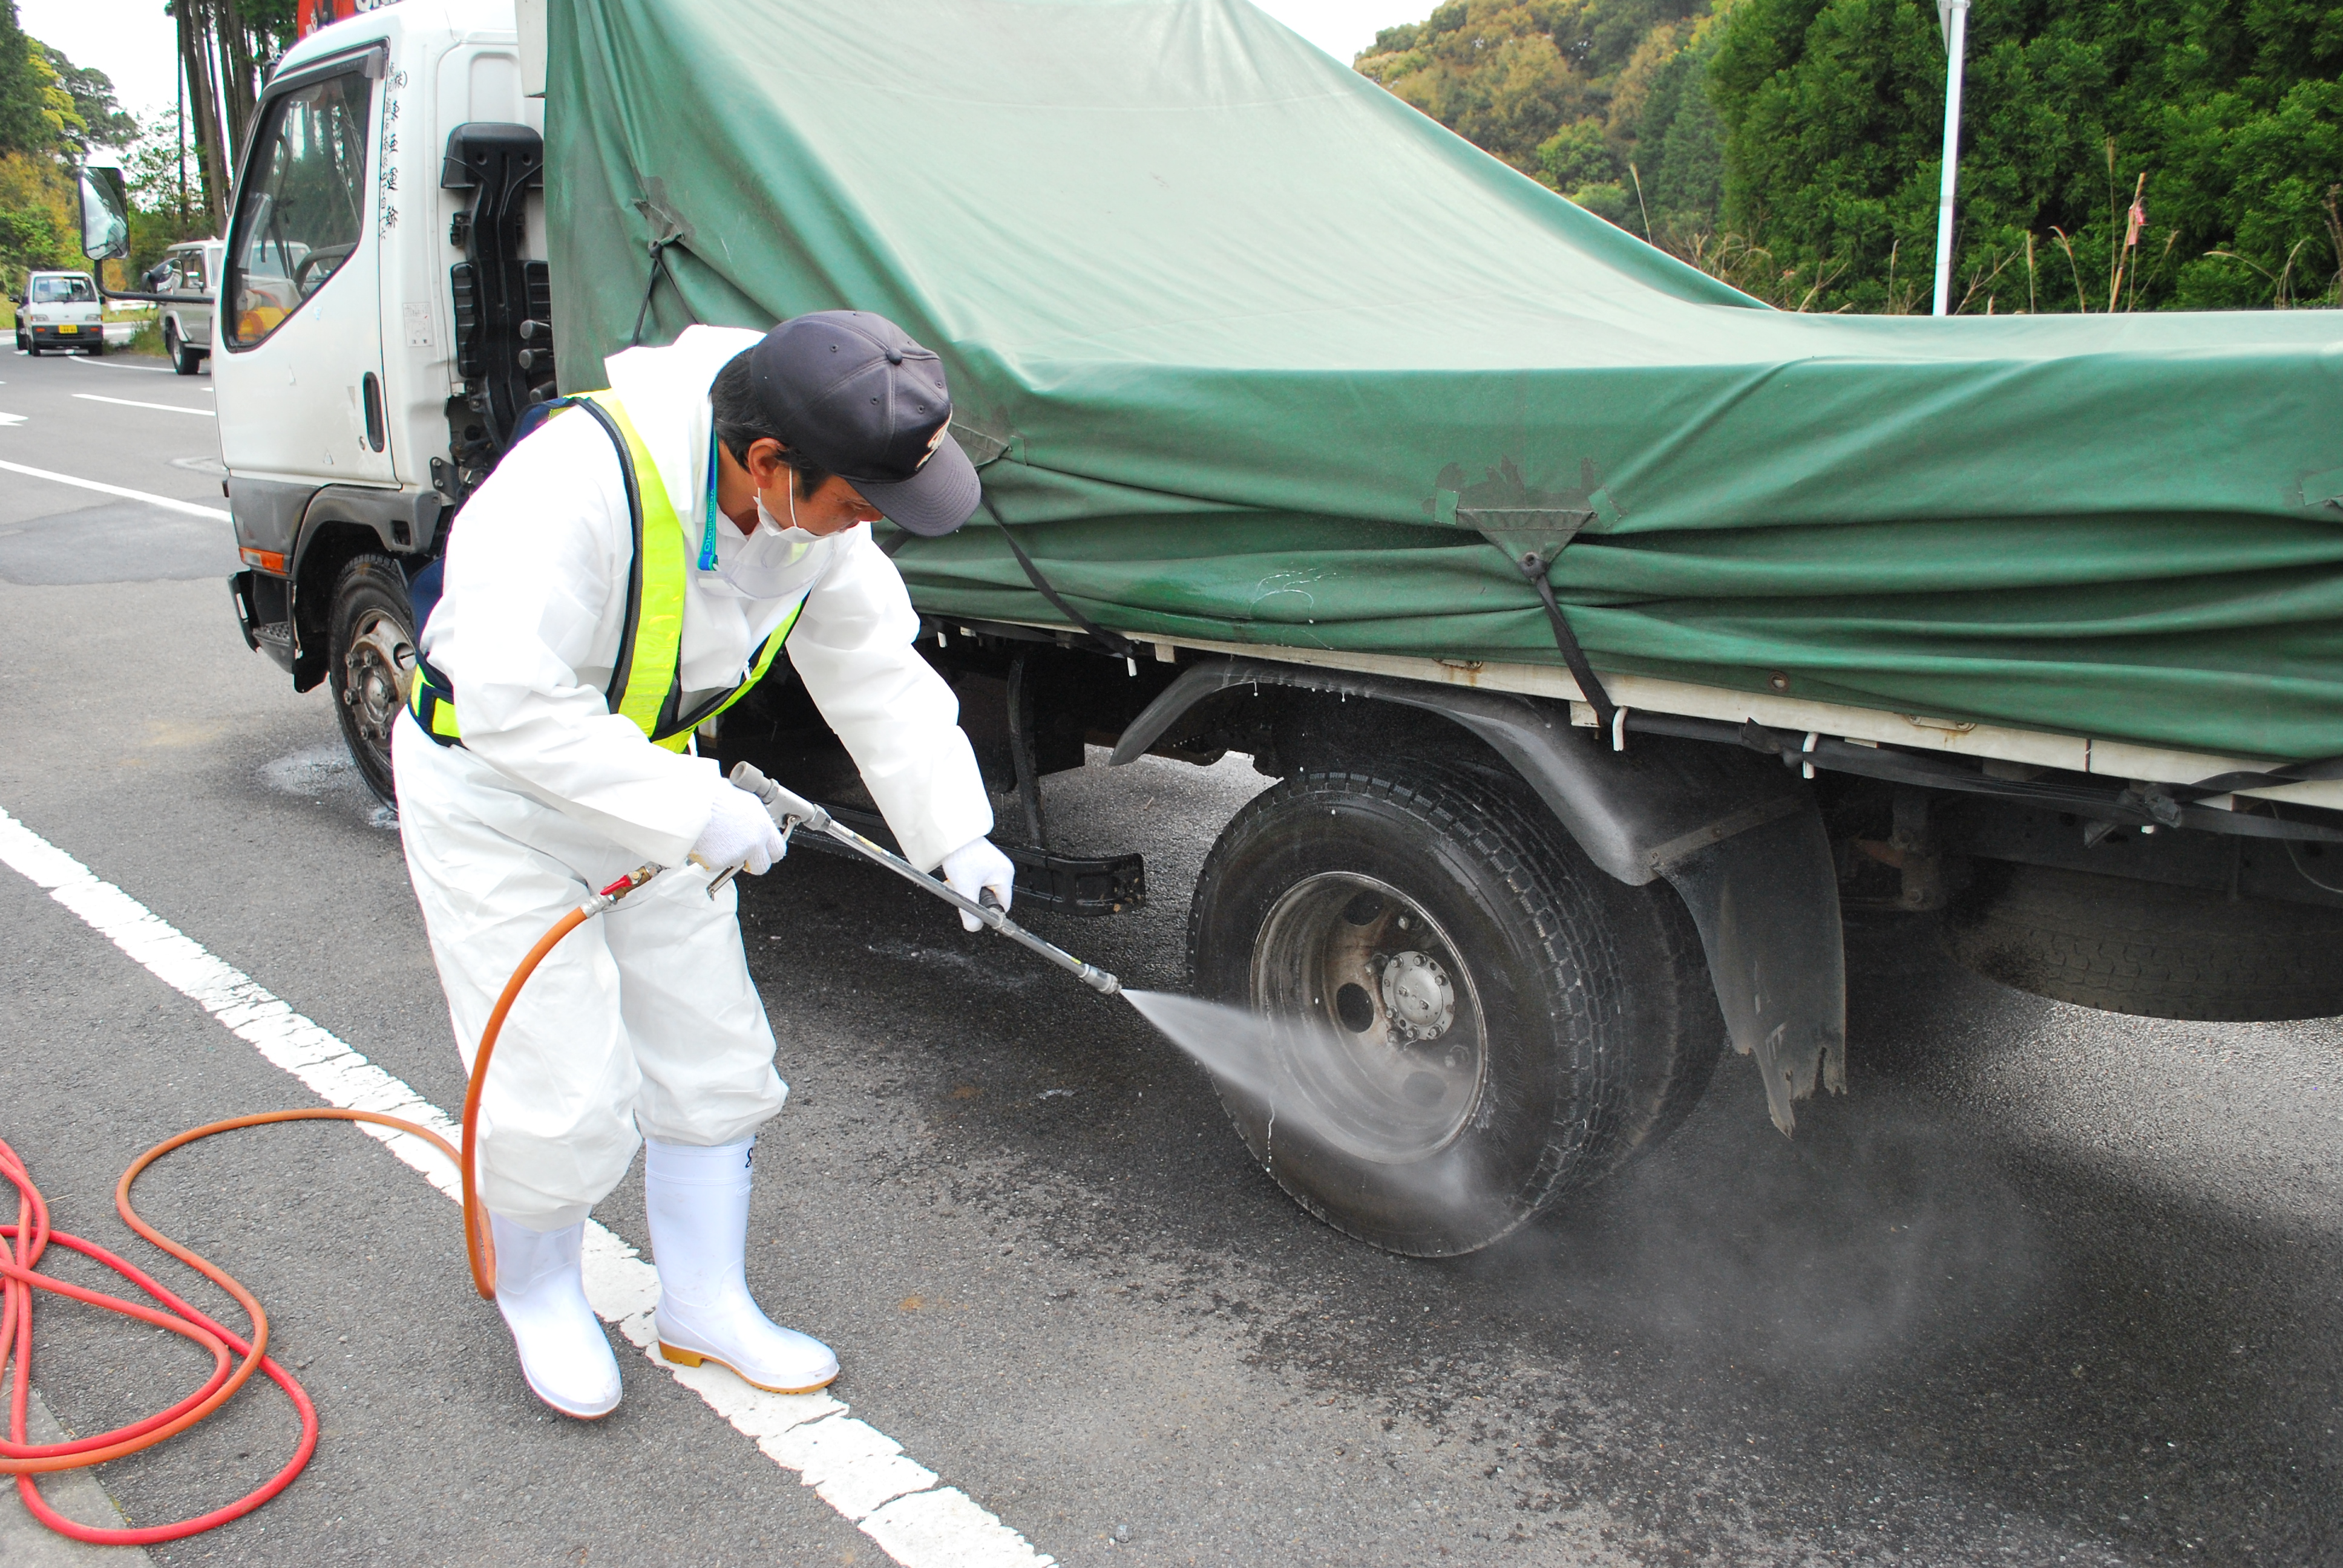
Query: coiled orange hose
pixel 30 1237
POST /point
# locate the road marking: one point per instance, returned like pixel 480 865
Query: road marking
pixel 133 403
pixel 851 1465
pixel 165 502
pixel 116 365
pixel 6 420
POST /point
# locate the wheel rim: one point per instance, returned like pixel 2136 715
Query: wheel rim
pixel 1393 1054
pixel 375 675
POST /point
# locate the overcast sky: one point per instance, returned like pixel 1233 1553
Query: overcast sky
pixel 134 43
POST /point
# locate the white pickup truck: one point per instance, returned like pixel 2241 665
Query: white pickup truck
pixel 185 279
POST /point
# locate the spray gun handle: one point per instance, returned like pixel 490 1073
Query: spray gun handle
pixel 783 804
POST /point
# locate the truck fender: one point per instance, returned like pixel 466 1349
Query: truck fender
pixel 341 521
pixel 405 521
pixel 1733 831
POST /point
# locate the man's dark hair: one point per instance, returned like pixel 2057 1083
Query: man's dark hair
pixel 742 422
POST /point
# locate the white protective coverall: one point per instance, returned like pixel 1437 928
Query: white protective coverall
pixel 643 1023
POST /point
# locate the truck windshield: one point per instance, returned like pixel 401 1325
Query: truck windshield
pixel 64 291
pixel 302 212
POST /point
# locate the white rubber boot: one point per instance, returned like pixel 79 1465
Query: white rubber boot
pixel 698 1201
pixel 542 1295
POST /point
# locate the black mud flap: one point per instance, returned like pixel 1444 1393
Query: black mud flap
pixel 1766 898
pixel 255 595
pixel 239 589
pixel 1088 885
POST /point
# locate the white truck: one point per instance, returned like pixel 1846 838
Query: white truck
pixel 1534 934
pixel 60 311
pixel 184 282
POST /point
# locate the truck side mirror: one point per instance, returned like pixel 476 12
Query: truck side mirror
pixel 104 214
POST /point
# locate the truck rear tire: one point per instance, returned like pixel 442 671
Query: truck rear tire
pixel 183 359
pixel 1485 998
pixel 370 659
pixel 2149 949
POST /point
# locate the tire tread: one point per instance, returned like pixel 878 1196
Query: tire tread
pixel 1586 1141
pixel 2150 950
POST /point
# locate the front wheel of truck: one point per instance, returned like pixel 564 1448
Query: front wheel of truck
pixel 1487 1021
pixel 370 659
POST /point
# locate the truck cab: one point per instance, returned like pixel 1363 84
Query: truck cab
pixel 372 287
pixel 60 310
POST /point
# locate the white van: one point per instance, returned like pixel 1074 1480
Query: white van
pixel 60 310
pixel 189 270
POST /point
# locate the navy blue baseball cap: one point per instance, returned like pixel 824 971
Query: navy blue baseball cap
pixel 853 393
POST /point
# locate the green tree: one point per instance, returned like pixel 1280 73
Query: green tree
pixel 37 121
pixel 1564 91
pixel 1680 143
pixel 1509 75
pixel 104 123
pixel 1577 155
pixel 27 240
pixel 2226 117
pixel 35 108
pixel 1487 69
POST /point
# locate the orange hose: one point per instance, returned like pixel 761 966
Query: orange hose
pixel 32 1235
pixel 480 1245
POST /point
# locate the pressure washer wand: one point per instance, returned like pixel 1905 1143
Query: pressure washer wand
pixel 789 808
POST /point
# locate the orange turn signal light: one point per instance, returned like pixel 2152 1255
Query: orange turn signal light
pixel 267 560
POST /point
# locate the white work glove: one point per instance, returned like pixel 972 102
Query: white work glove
pixel 740 833
pixel 975 865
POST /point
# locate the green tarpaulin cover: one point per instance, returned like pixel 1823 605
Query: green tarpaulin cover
pixel 1235 336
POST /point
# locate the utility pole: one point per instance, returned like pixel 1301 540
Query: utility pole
pixel 1952 17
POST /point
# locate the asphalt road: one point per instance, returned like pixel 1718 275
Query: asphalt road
pixel 2047 1286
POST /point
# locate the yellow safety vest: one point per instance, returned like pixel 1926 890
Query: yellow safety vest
pixel 646 686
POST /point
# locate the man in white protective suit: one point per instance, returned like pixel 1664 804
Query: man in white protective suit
pixel 629 570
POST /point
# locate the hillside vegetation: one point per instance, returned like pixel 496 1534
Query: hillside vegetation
pixel 1792 145
pixel 54 115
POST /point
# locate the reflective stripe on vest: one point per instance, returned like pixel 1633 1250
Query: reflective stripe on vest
pixel 646 686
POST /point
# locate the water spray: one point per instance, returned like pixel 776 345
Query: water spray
pixel 1241 1049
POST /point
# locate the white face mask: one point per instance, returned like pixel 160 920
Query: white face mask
pixel 777 561
pixel 769 524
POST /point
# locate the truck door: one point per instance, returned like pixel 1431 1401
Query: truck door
pixel 300 358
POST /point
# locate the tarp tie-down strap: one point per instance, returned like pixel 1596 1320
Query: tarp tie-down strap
pixel 659 270
pixel 1118 644
pixel 1533 537
pixel 1534 566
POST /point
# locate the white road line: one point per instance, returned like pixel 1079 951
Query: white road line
pixel 11 418
pixel 165 502
pixel 118 365
pixel 855 1468
pixel 133 403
